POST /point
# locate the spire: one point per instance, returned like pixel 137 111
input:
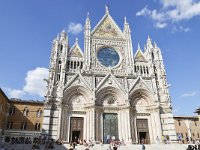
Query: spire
pixel 139 46
pixel 155 45
pixel 57 38
pixel 88 14
pixel 88 17
pixel 87 22
pixel 148 39
pixel 76 41
pixel 126 26
pixel 63 35
pixel 149 42
pixel 125 22
pixel 107 9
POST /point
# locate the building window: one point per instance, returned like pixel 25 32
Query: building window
pixel 193 134
pixel 59 65
pixel 11 111
pixel 26 111
pixel 10 125
pixel 61 48
pixel 179 122
pixel 37 126
pixel 197 135
pixel 23 125
pixel 39 113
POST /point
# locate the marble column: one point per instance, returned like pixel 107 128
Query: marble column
pixel 119 125
pixel 158 123
pixel 92 115
pixel 59 122
pixel 87 125
pixel 128 123
pixel 66 125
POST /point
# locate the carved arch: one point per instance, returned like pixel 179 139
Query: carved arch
pixel 111 96
pixel 139 94
pixel 76 91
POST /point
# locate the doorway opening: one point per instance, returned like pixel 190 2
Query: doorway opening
pixel 75 136
pixel 76 129
pixel 142 137
pixel 142 131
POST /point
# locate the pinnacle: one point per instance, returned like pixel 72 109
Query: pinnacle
pixel 107 9
pixel 139 46
pixel 76 40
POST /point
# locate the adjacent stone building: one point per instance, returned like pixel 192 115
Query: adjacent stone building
pixel 24 118
pixel 3 112
pixel 188 128
pixel 107 90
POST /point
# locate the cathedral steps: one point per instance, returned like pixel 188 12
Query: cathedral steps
pixel 105 147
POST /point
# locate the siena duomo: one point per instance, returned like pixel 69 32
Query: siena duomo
pixel 107 90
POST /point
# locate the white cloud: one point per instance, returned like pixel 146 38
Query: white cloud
pixel 184 29
pixel 189 94
pixel 35 81
pixel 172 11
pixel 75 28
pixel 160 25
pixel 35 84
pixel 180 29
pixel 15 93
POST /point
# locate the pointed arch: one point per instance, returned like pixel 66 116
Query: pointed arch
pixel 69 93
pixel 142 93
pixel 110 95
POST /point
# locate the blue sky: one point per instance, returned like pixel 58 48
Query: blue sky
pixel 27 29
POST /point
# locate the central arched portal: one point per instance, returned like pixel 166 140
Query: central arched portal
pixel 111 118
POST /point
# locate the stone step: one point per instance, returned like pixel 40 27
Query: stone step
pixel 105 147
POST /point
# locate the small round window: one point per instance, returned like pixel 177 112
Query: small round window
pixel 108 57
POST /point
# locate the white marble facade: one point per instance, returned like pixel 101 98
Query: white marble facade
pixel 107 77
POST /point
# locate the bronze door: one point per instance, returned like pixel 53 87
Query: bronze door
pixel 143 131
pixel 110 127
pixel 76 129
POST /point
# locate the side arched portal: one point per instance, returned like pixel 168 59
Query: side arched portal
pixel 142 118
pixel 73 114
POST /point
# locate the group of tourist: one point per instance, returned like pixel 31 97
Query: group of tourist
pixel 193 147
pixel 189 140
pixel 36 141
pixel 18 140
pixel 113 144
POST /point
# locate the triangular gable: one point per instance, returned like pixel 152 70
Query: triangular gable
pixel 139 56
pixel 77 80
pixel 109 80
pixel 107 28
pixel 76 51
pixel 139 84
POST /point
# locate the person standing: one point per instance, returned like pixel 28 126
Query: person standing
pixel 143 147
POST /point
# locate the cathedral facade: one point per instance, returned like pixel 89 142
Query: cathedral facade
pixel 107 91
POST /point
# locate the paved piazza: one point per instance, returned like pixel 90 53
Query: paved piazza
pixel 105 147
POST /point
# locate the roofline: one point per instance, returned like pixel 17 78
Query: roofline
pixel 4 94
pixel 16 100
pixel 189 117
